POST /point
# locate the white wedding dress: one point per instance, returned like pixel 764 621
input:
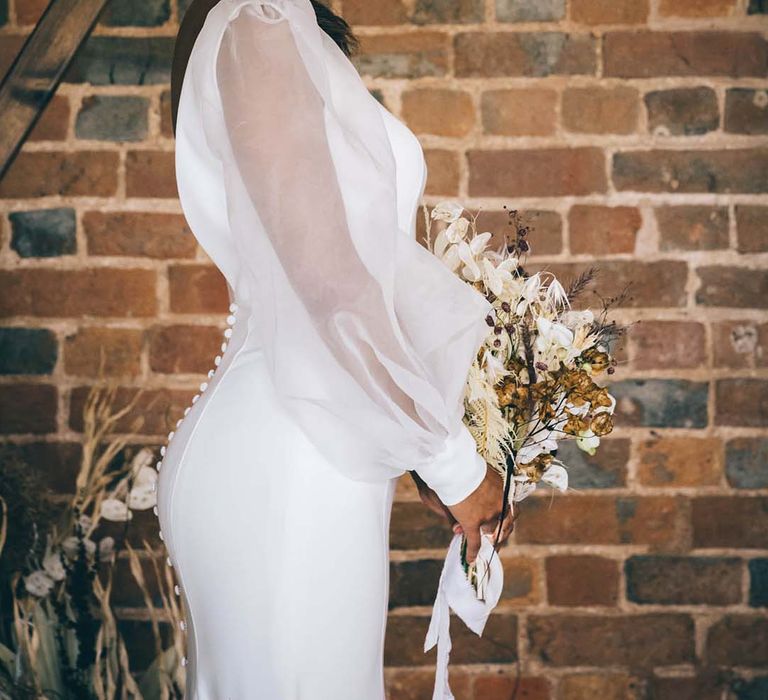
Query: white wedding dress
pixel 343 366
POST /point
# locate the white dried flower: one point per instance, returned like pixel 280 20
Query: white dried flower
pixel 71 545
pixel 106 548
pixel 447 211
pixel 53 566
pixel 115 510
pixel 38 583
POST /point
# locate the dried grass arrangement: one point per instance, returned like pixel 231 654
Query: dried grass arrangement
pixel 59 631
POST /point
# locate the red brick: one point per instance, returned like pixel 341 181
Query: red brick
pixel 692 228
pixel 730 522
pixel 736 170
pixel 582 580
pixel 10 44
pixel 609 11
pixel 413 582
pixel 504 54
pixel 412 684
pixel 652 520
pixel 121 348
pixel 445 11
pixel 441 112
pixel 70 174
pixel 415 527
pixel 741 402
pixel 150 174
pixel 746 111
pixel 682 111
pixel 378 13
pixel 738 640
pixel 100 291
pixel 740 344
pixel 550 172
pixel 697 8
pixel 519 112
pixel 667 345
pixel 27 408
pixel 404 645
pixel 603 230
pixel 139 234
pixel 521 582
pixel 752 228
pixel 601 685
pixel 197 289
pixel 166 118
pixel 155 413
pixel 53 123
pixel 734 287
pixel 443 172
pixel 709 684
pixel 601 110
pixel 30 11
pixel 640 641
pixel 647 54
pixel 681 461
pixel 676 580
pixel 189 349
pixel 411 54
pixel 546 229
pixel 661 403
pixel 656 284
pixel 507 684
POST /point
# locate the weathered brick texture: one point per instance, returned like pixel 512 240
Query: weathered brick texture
pixel 630 134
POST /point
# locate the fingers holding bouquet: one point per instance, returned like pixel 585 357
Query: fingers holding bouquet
pixel 481 513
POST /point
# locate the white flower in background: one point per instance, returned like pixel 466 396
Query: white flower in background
pixel 576 410
pixel 556 476
pixel 471 270
pixel 587 441
pixel 53 566
pixel 572 319
pixel 552 333
pixel 85 522
pixel 143 495
pixel 141 460
pixel 534 445
pixel 529 294
pixel 106 548
pixel 522 489
pixel 115 510
pixel 499 278
pixel 447 211
pixel 494 367
pixel 141 498
pixel 556 294
pixel 452 235
pixel 38 583
pixel 71 545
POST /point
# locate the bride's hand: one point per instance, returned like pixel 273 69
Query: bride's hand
pixel 480 511
pixel 468 509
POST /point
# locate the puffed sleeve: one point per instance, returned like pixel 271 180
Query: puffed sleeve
pixel 368 337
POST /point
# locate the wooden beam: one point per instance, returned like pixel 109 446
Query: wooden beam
pixel 37 71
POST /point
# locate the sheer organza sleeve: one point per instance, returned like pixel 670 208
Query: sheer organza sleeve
pixel 368 337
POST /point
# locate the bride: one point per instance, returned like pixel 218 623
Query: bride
pixel 343 365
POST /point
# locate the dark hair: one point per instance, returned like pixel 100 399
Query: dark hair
pixel 336 27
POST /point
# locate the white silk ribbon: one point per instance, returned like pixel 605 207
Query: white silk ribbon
pixel 455 592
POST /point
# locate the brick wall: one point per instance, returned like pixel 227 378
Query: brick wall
pixel 634 132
